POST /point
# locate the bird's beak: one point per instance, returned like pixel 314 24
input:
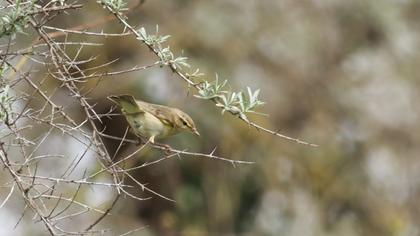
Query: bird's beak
pixel 196 132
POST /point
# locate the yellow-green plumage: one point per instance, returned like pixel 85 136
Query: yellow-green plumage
pixel 152 121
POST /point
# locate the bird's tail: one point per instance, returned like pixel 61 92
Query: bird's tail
pixel 126 102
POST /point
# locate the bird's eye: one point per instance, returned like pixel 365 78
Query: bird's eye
pixel 184 122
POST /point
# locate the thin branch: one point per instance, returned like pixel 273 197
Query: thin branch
pixel 179 152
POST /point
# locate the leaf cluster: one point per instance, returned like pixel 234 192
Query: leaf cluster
pixel 15 20
pixel 116 6
pixel 155 42
pixel 237 103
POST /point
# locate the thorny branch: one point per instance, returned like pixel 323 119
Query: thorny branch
pixel 32 115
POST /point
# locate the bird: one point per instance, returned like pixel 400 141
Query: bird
pixel 153 121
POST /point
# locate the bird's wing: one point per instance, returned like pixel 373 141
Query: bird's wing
pixel 163 113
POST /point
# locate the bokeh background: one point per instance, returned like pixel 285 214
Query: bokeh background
pixel 341 74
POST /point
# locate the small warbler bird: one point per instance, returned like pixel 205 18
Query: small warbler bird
pixel 152 121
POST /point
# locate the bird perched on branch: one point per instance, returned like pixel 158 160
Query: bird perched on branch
pixel 152 121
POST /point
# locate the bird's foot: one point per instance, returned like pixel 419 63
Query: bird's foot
pixel 165 147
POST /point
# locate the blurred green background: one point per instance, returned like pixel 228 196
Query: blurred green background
pixel 341 74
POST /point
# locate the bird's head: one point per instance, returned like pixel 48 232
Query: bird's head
pixel 184 122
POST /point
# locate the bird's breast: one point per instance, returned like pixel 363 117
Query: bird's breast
pixel 147 125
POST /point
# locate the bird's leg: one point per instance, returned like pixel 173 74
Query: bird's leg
pixel 166 147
